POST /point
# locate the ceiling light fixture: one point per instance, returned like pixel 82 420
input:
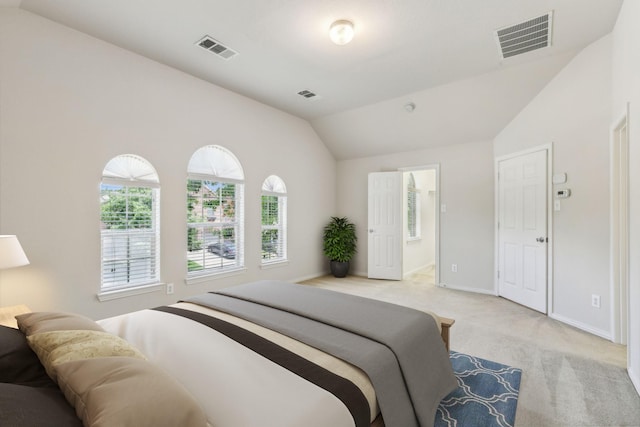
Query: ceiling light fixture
pixel 341 32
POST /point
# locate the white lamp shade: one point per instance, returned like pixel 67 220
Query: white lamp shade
pixel 11 253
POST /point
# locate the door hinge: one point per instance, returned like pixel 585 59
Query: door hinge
pixel 498 274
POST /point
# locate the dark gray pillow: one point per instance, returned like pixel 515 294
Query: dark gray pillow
pixel 18 363
pixel 35 407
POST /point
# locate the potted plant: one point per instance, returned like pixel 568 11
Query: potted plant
pixel 339 244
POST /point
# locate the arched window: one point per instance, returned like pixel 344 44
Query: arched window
pixel 215 212
pixel 129 223
pixel 274 220
pixel 413 209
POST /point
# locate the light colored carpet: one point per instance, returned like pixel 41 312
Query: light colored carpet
pixel 570 377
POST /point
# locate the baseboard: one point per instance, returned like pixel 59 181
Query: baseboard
pixel 635 379
pixel 466 289
pixel 359 273
pixel 599 332
pixel 308 277
pixel 415 270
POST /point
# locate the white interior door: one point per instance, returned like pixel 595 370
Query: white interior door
pixel 385 226
pixel 522 229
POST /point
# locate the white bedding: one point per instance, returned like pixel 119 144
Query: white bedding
pixel 235 386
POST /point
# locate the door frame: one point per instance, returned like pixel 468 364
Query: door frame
pixel 435 167
pixel 619 229
pixel 549 150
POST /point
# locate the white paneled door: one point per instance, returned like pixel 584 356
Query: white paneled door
pixel 385 226
pixel 522 229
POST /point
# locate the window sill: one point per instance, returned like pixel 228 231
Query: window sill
pixel 128 292
pixel 205 277
pixel 274 264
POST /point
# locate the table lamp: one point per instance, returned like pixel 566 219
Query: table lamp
pixel 11 253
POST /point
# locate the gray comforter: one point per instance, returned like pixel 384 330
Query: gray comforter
pixel 399 348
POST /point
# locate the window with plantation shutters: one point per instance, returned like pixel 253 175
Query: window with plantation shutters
pixel 413 209
pixel 129 224
pixel 274 220
pixel 215 212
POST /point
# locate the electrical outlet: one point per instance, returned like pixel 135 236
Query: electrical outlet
pixel 595 301
pixel 454 268
pixel 169 288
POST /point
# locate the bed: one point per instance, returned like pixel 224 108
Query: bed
pixel 301 356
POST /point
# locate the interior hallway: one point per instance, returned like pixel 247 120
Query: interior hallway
pixel 570 377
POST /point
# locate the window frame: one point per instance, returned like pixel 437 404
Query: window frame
pixel 202 256
pixel 138 178
pixel 273 186
pixel 414 231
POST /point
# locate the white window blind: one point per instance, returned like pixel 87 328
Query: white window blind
pixel 215 212
pixel 274 220
pixel 130 218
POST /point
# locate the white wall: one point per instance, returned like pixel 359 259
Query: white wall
pixel 466 188
pixel 420 253
pixel 626 89
pixel 69 103
pixel 573 113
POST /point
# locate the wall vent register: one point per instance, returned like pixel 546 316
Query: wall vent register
pixel 525 36
pixel 308 94
pixel 214 46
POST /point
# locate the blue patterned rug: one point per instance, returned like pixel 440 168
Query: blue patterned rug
pixel 487 394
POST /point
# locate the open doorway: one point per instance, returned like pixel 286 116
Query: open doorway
pixel 420 249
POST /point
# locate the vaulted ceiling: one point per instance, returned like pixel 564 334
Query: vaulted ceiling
pixel 440 55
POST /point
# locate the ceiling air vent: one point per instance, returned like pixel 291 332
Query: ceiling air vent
pixel 213 45
pixel 308 94
pixel 525 37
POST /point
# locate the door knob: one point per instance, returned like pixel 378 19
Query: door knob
pixel 540 239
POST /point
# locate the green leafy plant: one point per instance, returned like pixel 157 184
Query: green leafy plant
pixel 340 239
